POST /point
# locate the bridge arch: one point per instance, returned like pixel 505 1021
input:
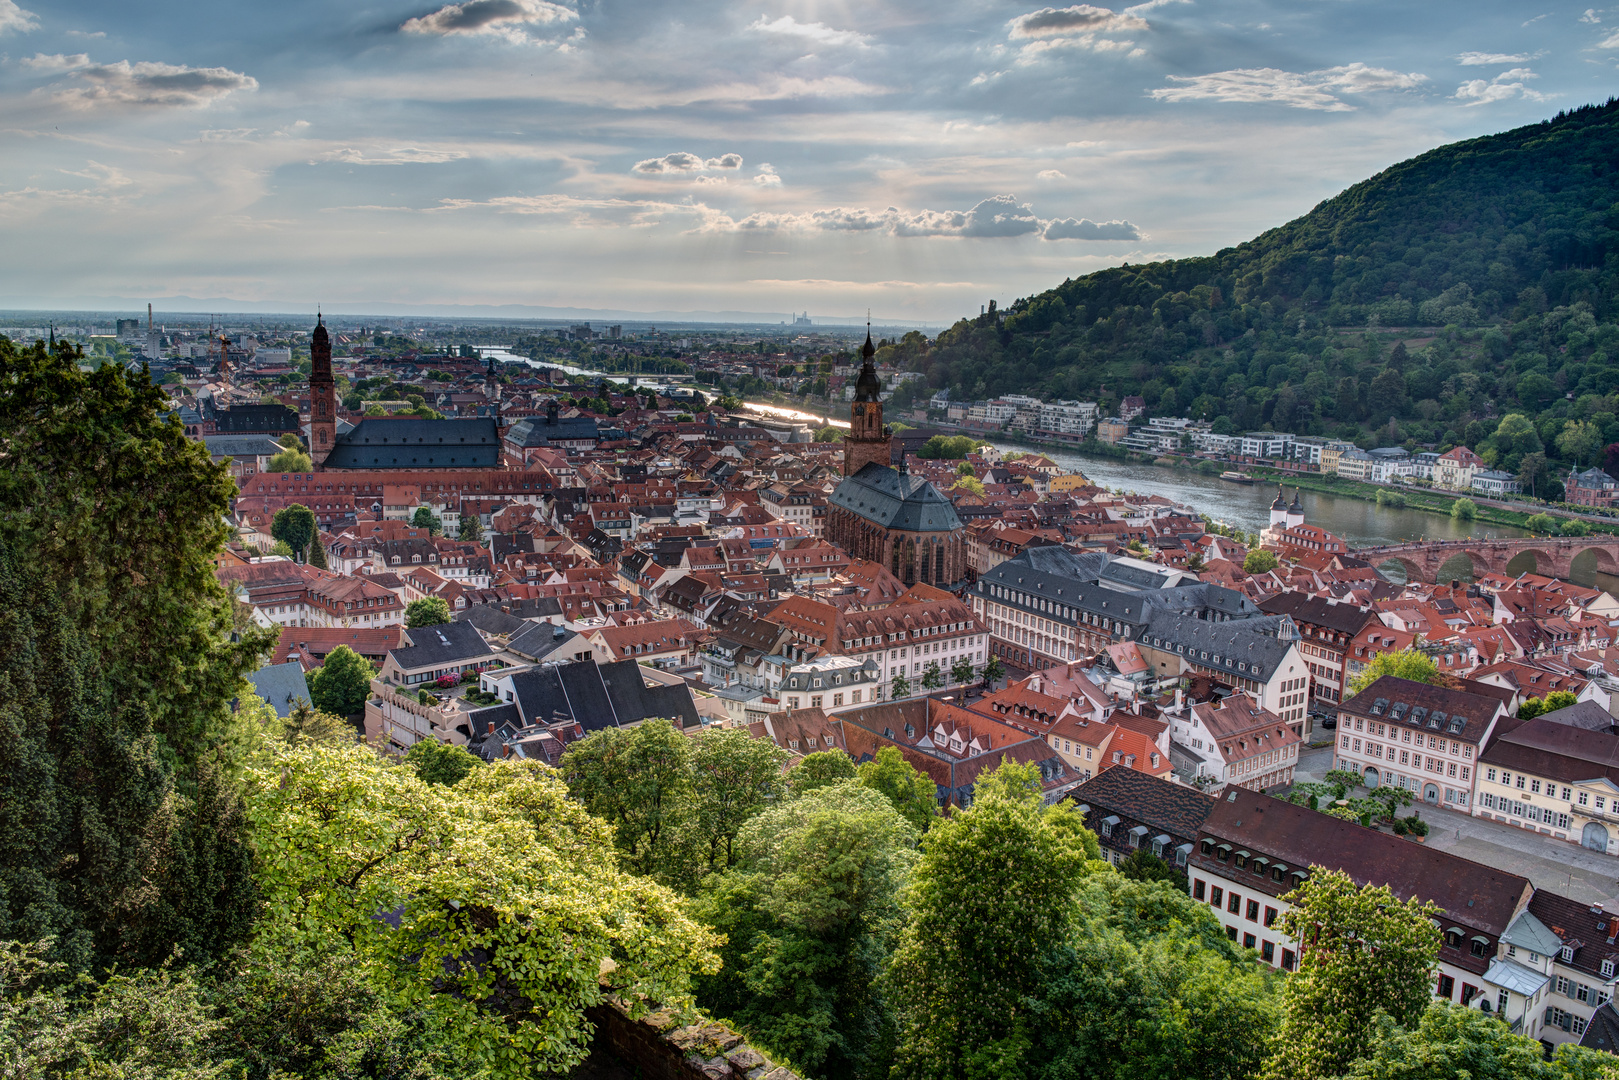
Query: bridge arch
pixel 1539 559
pixel 1408 568
pixel 1461 565
pixel 1590 561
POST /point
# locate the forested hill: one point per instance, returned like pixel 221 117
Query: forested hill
pixel 1495 261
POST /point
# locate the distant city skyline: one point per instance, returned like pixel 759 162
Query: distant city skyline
pixel 916 159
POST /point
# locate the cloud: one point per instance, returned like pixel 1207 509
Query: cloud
pixel 14 20
pixel 401 155
pixel 1051 174
pixel 1086 229
pixel 500 18
pixel 1483 59
pixel 1591 16
pixel 1068 21
pixel 56 61
pixel 711 180
pixel 1609 42
pixel 1142 9
pixel 1508 84
pixel 150 83
pixel 681 162
pixel 1311 90
pixel 105 176
pixel 767 176
pixel 819 33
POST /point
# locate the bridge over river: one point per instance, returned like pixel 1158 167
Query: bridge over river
pixel 1553 556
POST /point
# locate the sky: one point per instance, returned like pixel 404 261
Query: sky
pixel 917 159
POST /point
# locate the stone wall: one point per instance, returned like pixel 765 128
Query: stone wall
pixel 658 1047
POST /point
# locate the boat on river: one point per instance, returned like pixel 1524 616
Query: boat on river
pixel 1238 477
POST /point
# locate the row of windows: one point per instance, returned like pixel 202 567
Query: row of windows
pixel 1528 811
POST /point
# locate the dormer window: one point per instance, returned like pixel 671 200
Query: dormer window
pixel 1566 954
pixel 1607 969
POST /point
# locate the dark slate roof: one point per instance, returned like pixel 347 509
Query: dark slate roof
pixel 540 640
pixel 1582 714
pixel 1336 615
pixel 540 430
pixel 598 696
pixel 1171 808
pixel 280 685
pixel 1602 1033
pixel 491 620
pixel 242 445
pixel 441 645
pixel 1261 643
pixel 404 442
pixel 895 500
pixel 1590 932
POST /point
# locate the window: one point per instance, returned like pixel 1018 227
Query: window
pixel 1447 987
pixel 1270 916
pixel 1231 932
pixel 1216 894
pixel 1233 903
pixel 1249 941
pixel 1288 960
pixel 1253 911
pixel 1198 889
pixel 1267 952
pixel 1480 947
pixel 1607 969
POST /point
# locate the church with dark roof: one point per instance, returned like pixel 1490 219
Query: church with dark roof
pixel 886 515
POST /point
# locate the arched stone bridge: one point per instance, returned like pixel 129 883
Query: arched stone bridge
pixel 1554 557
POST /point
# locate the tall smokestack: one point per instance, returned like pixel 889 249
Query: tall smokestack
pixel 148 318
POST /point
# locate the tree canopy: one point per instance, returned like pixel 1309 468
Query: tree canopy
pixel 341 684
pixel 1412 664
pixel 427 611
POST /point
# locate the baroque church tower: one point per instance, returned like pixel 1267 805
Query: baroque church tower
pixel 322 395
pixel 868 440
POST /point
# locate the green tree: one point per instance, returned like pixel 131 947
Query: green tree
pixel 1362 952
pixel 101 852
pixel 639 781
pixel 991 897
pixel 895 779
pixel 1464 510
pixel 119 517
pixel 1540 525
pixel 1406 664
pixel 932 676
pixel 341 684
pixel 828 434
pixel 1148 985
pixel 1557 699
pixel 440 763
pixel 1532 470
pixel 1143 865
pixel 424 518
pixel 281 548
pixel 471 528
pixel 969 484
pixel 993 669
pixel 307 722
pixel 899 687
pixel 820 769
pixel 1573 527
pixel 1453 1041
pixel 948 447
pixel 290 441
pixel 810 912
pixel 427 611
pixel 502 865
pixel 296 527
pixel 734 775
pixel 1579 441
pixel 317 553
pixel 290 461
pixel 1259 561
pixel 961 671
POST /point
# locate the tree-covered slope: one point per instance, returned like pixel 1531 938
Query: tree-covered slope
pixel 1495 260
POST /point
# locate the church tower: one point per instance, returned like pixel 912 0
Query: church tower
pixel 322 395
pixel 491 389
pixel 868 441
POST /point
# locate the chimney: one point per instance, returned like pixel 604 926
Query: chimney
pixel 148 318
pixel 491 729
pixel 1179 698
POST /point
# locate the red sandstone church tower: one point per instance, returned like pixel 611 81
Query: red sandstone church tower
pixel 322 395
pixel 868 440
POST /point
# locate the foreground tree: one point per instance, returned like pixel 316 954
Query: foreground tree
pixel 100 852
pixel 502 866
pixel 119 517
pixel 427 611
pixel 820 769
pixel 908 791
pixel 810 912
pixel 734 775
pixel 341 685
pixel 991 897
pixel 435 762
pixel 1148 988
pixel 638 780
pixel 1450 1042
pixel 1362 952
